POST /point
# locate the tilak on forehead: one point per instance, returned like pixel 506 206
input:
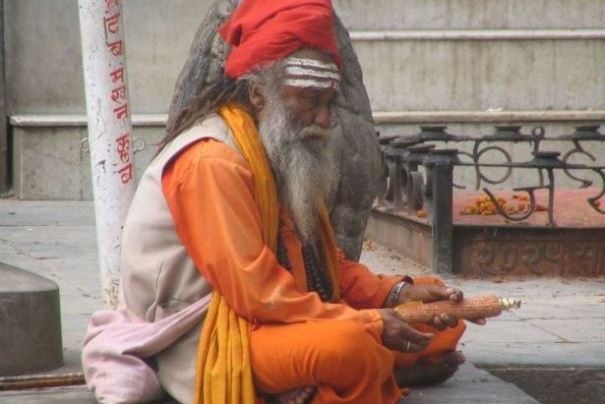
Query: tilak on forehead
pixel 264 31
pixel 301 72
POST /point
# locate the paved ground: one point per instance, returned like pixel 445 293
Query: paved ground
pixel 561 322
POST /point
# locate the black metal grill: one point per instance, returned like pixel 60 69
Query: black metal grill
pixel 419 170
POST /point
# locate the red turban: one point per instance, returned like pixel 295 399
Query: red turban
pixel 262 31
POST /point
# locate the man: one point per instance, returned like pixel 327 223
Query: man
pixel 233 205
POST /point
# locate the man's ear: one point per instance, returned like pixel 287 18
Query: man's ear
pixel 256 97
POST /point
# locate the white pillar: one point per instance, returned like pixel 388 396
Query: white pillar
pixel 109 131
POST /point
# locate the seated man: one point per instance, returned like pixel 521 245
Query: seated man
pixel 233 205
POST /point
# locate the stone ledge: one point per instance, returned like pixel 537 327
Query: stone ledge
pixel 78 120
pixel 465 14
pixel 380 117
pixel 449 117
pixel 469 385
pixel 478 35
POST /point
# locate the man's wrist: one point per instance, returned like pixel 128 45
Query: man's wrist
pixel 394 294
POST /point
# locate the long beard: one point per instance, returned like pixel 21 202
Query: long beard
pixel 302 165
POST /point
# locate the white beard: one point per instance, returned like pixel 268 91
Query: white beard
pixel 304 171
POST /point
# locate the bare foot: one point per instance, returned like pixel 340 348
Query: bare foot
pixel 301 395
pixel 424 374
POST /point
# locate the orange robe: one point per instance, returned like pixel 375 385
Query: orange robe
pixel 297 339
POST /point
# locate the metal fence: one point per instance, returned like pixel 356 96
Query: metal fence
pixel 419 170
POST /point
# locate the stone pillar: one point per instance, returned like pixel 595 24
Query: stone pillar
pixel 439 193
pixel 30 323
pixel 109 131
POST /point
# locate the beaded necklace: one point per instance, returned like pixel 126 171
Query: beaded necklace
pixel 317 280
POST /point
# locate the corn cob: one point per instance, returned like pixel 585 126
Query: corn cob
pixel 468 309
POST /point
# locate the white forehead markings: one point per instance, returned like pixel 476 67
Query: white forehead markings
pixel 302 71
pixel 313 63
pixel 310 82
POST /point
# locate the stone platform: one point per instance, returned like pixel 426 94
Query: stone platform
pixel 468 385
pixel 491 245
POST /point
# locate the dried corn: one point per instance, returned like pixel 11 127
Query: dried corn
pixel 468 309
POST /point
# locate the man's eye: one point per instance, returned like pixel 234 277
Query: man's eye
pixel 310 99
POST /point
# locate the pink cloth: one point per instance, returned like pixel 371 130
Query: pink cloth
pixel 116 346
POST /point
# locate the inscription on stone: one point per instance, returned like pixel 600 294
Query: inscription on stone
pixel 540 257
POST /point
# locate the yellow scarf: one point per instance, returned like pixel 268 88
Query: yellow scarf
pixel 223 371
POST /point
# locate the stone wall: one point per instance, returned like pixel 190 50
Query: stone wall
pixel 465 61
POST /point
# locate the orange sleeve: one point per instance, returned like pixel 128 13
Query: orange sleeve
pixel 209 191
pixel 361 288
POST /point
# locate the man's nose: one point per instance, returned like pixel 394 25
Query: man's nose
pixel 323 118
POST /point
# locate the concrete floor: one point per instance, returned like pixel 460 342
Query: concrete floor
pixel 561 322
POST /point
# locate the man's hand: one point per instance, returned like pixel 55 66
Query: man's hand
pixel 399 336
pixel 433 293
pixel 429 293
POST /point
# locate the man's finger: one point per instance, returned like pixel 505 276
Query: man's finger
pixel 437 292
pixel 416 337
pixel 448 320
pixel 438 324
pixel 411 347
pixel 456 295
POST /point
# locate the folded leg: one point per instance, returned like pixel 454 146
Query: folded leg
pixel 339 357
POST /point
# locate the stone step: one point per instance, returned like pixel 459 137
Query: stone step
pixel 435 74
pixel 417 70
pixel 439 75
pixel 30 331
pixel 469 385
pixel 51 163
pixel 470 14
pixel 402 75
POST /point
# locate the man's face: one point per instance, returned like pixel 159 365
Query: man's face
pixel 309 106
pixel 296 126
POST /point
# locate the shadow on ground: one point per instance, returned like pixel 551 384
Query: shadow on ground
pixel 556 385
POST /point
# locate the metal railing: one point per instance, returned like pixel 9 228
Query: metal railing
pixel 420 168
